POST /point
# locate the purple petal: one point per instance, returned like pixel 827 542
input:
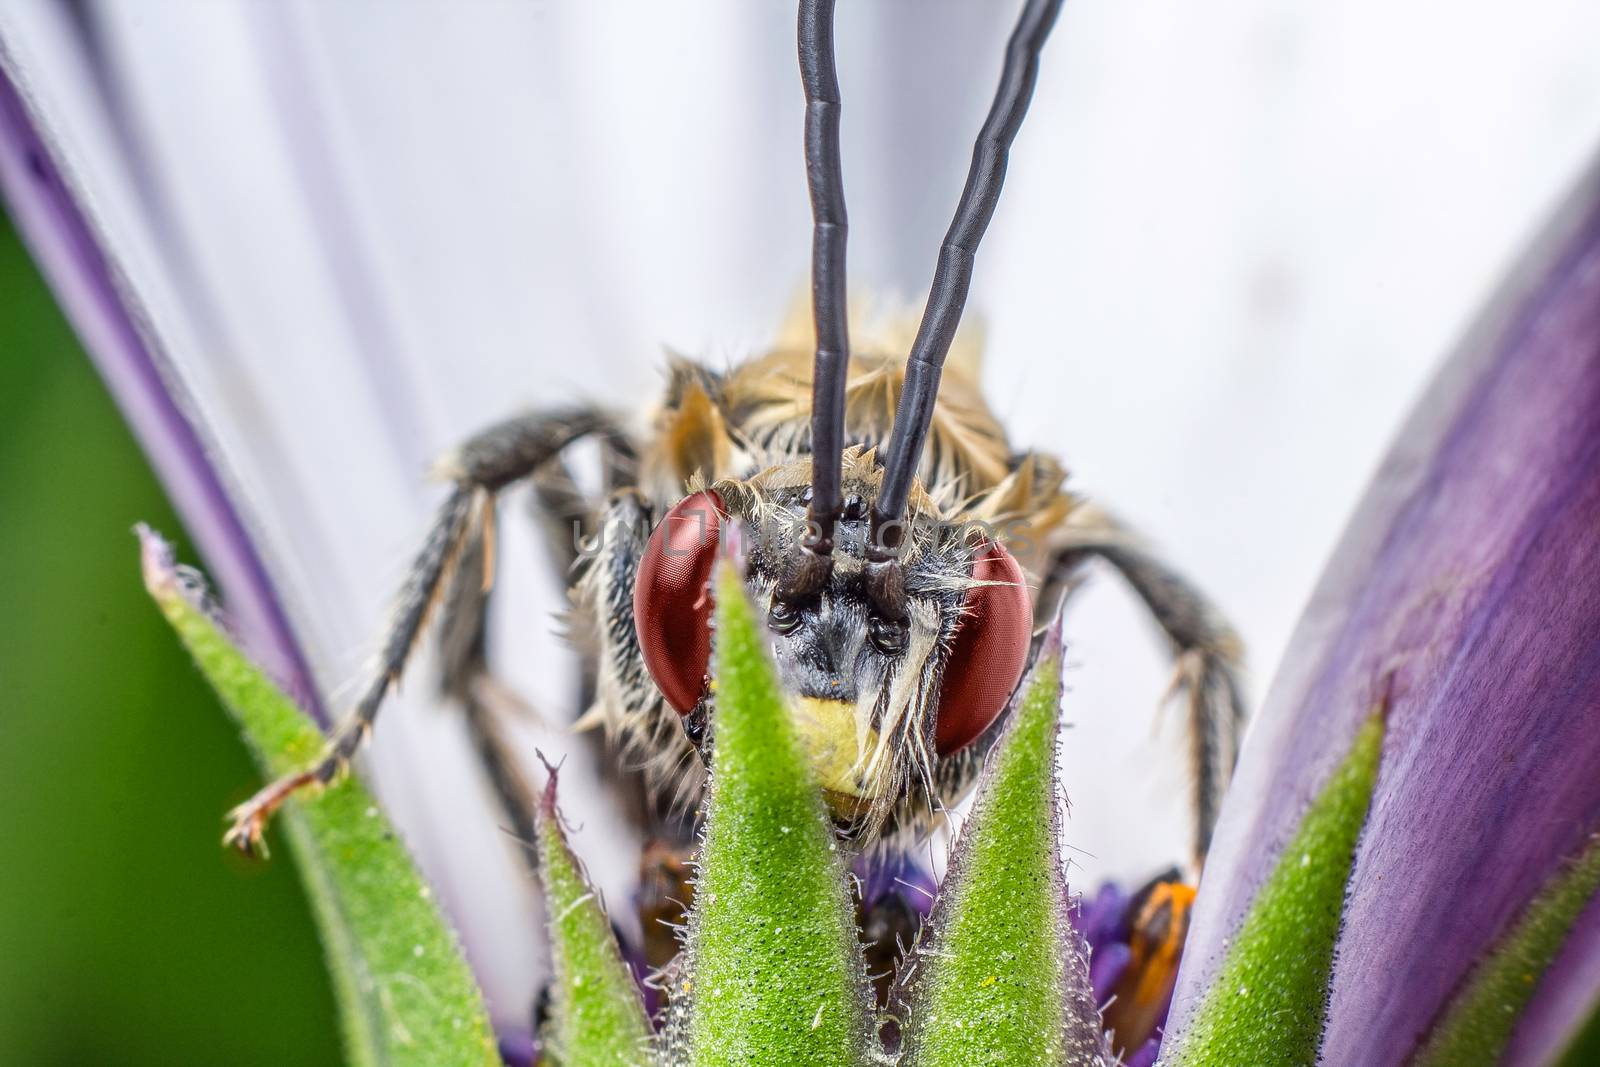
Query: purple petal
pixel 1102 922
pixel 1467 592
pixel 57 219
pixel 1146 1056
pixel 898 875
pixel 96 298
pixel 1106 965
pixel 1102 918
pixel 518 1048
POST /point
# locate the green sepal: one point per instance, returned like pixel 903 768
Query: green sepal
pixel 773 971
pixel 1002 977
pixel 1267 1004
pixel 1477 1024
pixel 406 996
pixel 596 1016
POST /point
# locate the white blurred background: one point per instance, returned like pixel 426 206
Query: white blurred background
pixel 1236 238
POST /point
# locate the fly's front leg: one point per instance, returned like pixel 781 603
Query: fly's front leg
pixel 569 518
pixel 1205 650
pixel 479 470
pixel 567 515
pixel 463 679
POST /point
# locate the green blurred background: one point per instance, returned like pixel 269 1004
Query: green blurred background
pixel 127 934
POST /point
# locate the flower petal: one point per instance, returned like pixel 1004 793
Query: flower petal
pixel 277 196
pixel 441 156
pixel 70 252
pixel 1468 589
pixel 244 489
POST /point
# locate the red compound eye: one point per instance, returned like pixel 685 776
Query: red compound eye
pixel 671 604
pixel 990 650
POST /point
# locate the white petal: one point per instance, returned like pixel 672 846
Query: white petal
pixel 1234 239
pixel 360 231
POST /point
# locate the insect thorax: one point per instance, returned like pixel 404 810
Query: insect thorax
pixel 745 435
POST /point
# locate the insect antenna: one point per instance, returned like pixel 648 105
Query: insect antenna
pixel 830 227
pixel 953 274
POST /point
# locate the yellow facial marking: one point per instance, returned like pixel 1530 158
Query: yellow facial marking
pixel 827 731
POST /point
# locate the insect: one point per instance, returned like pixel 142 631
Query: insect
pixel 904 550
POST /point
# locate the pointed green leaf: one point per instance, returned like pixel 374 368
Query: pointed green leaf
pixel 405 994
pixel 774 972
pixel 1478 1022
pixel 1004 978
pixel 1266 1005
pixel 596 1016
pixel 1584 1051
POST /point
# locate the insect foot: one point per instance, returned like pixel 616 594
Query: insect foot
pixel 249 820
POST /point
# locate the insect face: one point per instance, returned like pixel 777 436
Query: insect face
pixel 884 682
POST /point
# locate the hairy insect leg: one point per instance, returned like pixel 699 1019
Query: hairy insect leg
pixel 568 518
pixel 1206 652
pixel 464 678
pixel 479 469
pixel 571 522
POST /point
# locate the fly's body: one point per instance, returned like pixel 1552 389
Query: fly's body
pixel 868 688
pixel 904 550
